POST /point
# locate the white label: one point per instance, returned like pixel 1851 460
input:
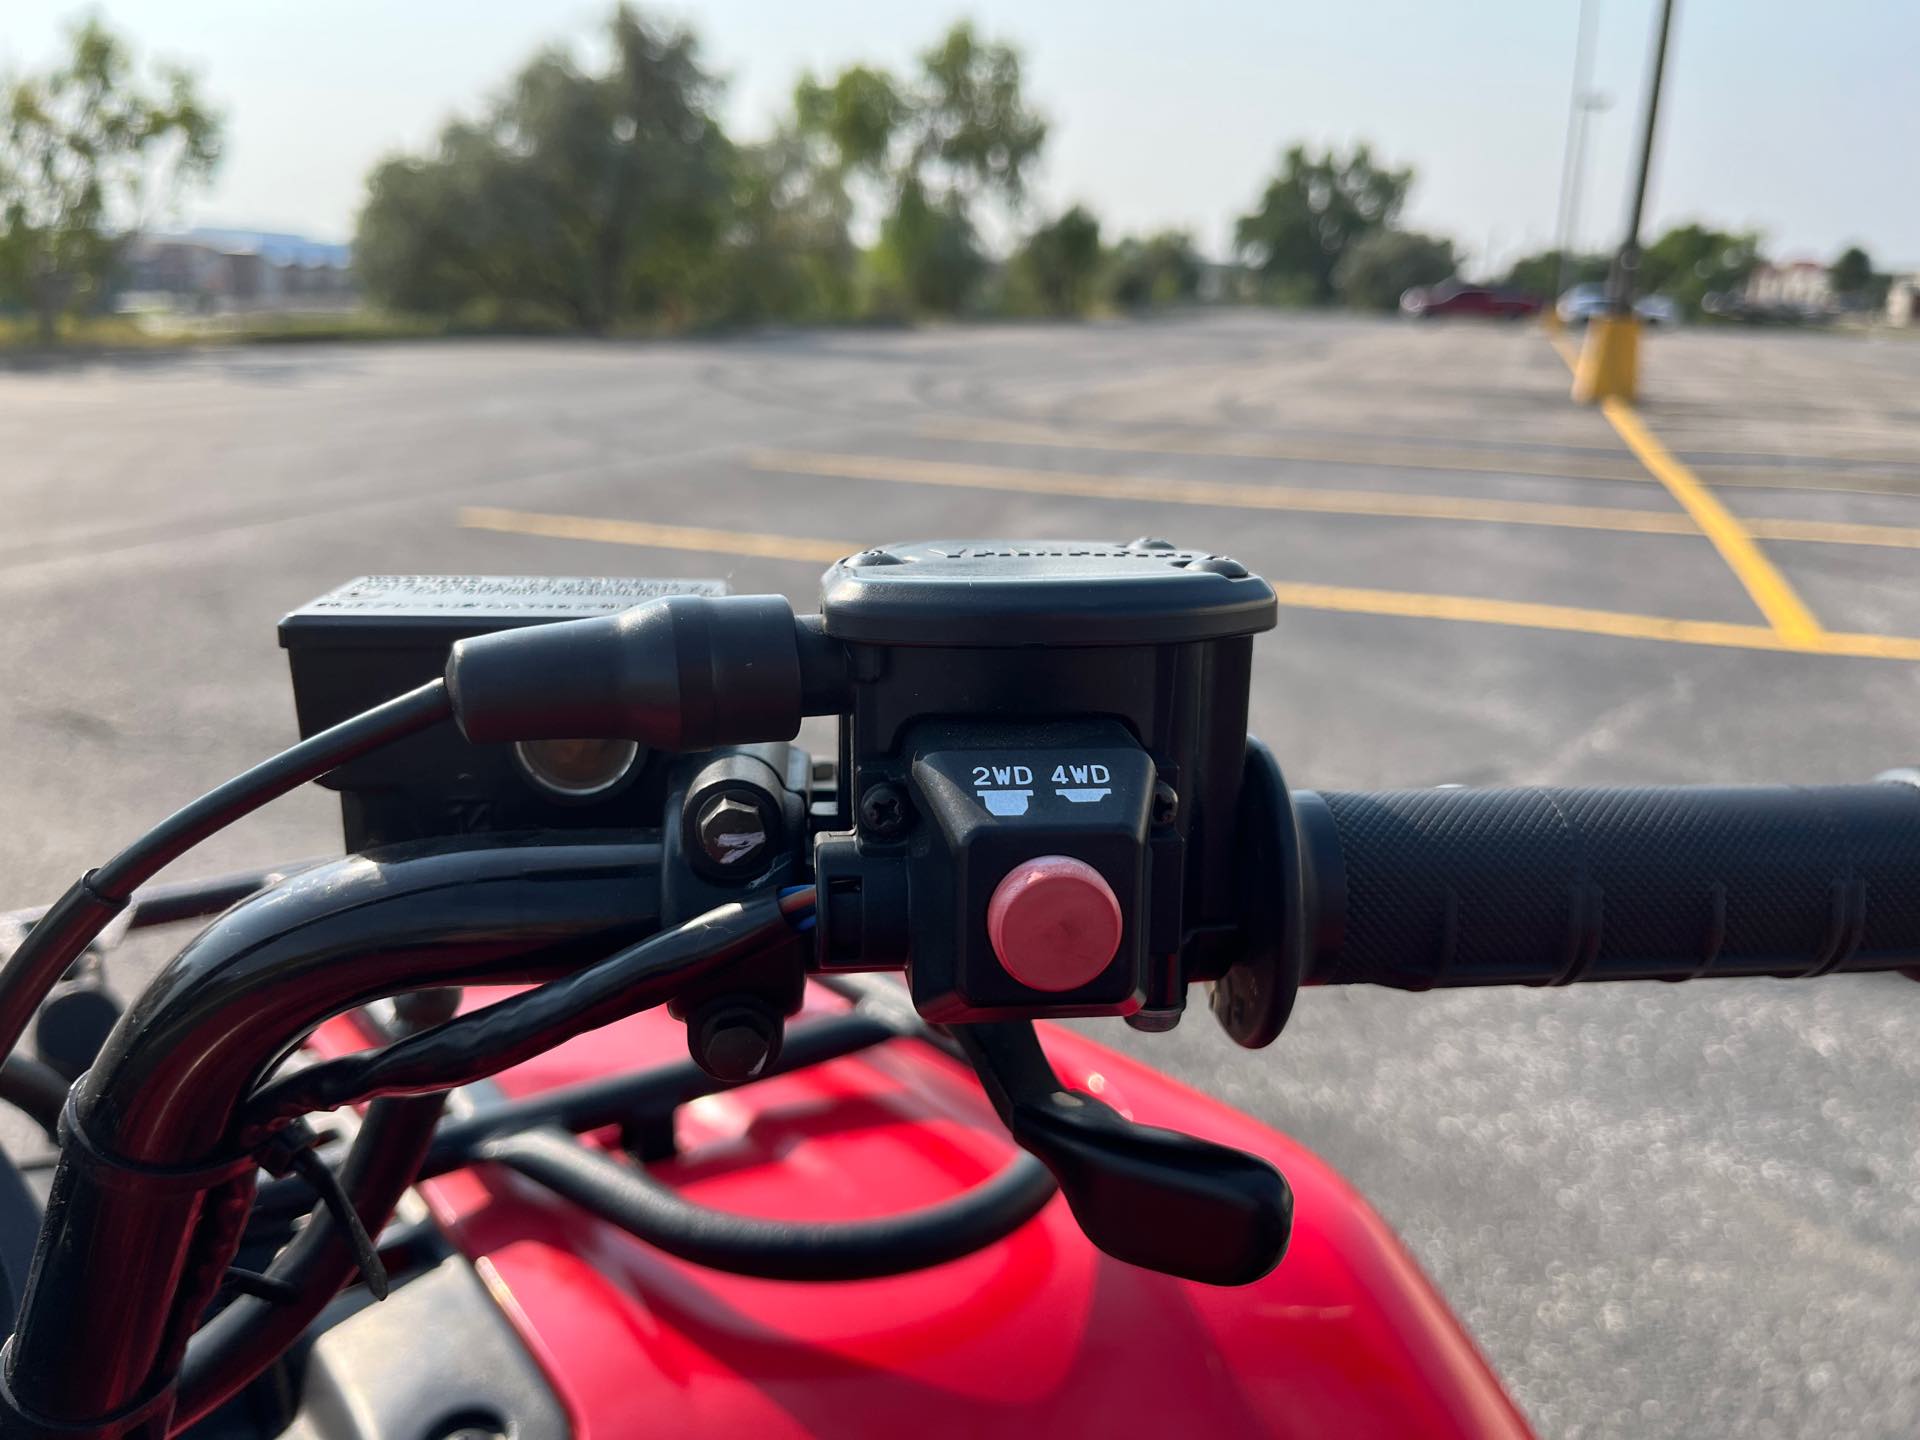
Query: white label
pixel 1081 774
pixel 1003 775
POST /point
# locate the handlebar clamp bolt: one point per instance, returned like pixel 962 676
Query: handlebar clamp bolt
pixel 735 1042
pixel 733 834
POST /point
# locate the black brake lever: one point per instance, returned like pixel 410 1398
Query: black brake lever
pixel 1151 1197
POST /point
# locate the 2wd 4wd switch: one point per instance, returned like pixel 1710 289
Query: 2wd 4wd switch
pixel 1031 875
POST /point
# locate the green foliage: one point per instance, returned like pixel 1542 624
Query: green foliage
pixel 599 199
pixel 1312 212
pixel 859 113
pixel 1060 263
pixel 591 197
pixel 1691 260
pixel 957 134
pixel 1852 272
pixel 1160 269
pixel 1379 267
pixel 787 254
pixel 973 122
pixel 928 260
pixel 1539 274
pixel 83 148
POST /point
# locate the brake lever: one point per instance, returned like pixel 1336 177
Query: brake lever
pixel 1151 1197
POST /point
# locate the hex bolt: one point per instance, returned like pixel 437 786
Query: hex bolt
pixel 1166 803
pixel 732 833
pixel 883 811
pixel 735 1042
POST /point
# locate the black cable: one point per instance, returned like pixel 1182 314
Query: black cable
pixel 485 1042
pixel 92 901
pixel 40 1091
pixel 621 1099
pixel 251 1333
pixel 625 1196
pixel 168 904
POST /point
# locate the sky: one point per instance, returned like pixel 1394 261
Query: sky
pixel 1800 120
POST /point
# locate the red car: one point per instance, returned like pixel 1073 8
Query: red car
pixel 1454 297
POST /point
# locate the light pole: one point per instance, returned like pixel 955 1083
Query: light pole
pixel 1626 261
pixel 1583 104
pixel 1609 367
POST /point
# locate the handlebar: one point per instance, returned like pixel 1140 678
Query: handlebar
pixel 1419 889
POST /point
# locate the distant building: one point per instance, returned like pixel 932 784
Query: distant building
pixel 1800 285
pixel 213 272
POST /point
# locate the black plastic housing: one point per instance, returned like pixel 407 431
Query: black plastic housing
pixel 987 639
pixel 381 635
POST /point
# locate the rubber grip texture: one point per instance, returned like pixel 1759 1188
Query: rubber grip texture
pixel 1424 888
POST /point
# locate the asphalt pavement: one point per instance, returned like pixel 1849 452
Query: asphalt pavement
pixel 1663 1211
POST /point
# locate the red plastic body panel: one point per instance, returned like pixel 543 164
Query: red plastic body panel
pixel 1039 1335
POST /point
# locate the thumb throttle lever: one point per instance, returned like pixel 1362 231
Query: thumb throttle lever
pixel 1153 1198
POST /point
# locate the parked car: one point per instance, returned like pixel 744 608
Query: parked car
pixel 1454 297
pixel 1583 302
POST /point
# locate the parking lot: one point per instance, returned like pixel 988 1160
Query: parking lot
pixel 1663 1211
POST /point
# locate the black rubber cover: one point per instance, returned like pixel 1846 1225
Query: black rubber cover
pixel 684 673
pixel 1000 593
pixel 1423 888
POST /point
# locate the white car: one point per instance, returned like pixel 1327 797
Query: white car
pixel 1583 302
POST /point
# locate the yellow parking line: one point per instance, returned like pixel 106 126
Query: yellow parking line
pixel 1836 532
pixel 1778 601
pixel 1786 612
pixel 1527 615
pixel 1292 594
pixel 1157 490
pixel 1230 495
pixel 1406 456
pixel 1251 447
pixel 656 537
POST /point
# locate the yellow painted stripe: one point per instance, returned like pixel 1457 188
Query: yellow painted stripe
pixel 1294 595
pixel 1403 457
pixel 1786 612
pixel 1229 495
pixel 1160 490
pixel 656 537
pixel 1530 616
pixel 1778 601
pixel 1835 532
pixel 1253 447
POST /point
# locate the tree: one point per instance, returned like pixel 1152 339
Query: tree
pixel 974 127
pixel 588 197
pixel 1313 211
pixel 1852 272
pixel 1539 274
pixel 1689 261
pixel 929 255
pixel 787 252
pixel 1162 269
pixel 858 113
pixel 1060 262
pixel 1378 268
pixel 83 148
pixel 958 134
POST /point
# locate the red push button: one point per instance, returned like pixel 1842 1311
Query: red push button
pixel 1054 923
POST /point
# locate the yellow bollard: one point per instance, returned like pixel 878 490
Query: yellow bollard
pixel 1609 367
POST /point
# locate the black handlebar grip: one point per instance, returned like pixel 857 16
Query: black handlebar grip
pixel 1423 888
